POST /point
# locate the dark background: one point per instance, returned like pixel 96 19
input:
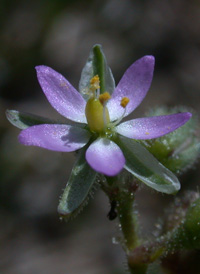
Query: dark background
pixel 60 34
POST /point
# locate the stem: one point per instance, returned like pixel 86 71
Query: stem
pixel 129 226
pixel 121 192
pixel 128 220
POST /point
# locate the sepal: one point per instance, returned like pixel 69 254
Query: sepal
pixel 78 187
pixel 97 65
pixel 145 167
pixel 24 120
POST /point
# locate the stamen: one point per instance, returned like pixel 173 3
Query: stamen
pixel 104 97
pixel 95 83
pixel 124 102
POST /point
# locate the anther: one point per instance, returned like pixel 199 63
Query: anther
pixel 124 102
pixel 104 97
pixel 95 83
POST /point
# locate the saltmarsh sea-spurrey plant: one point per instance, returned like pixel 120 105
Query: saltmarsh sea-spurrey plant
pixel 109 150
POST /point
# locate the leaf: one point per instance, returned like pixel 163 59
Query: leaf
pixel 97 64
pixel 24 120
pixel 78 187
pixel 142 164
pixel 188 233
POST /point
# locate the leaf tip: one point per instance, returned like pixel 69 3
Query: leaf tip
pixel 63 213
pixel 97 46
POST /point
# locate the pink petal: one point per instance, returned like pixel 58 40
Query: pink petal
pixel 152 127
pixel 61 94
pixel 105 157
pixel 55 137
pixel 134 84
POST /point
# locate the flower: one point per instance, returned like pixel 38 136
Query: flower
pixel 97 121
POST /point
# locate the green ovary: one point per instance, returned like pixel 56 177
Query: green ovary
pixel 97 115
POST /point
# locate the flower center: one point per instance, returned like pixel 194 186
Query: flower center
pixel 96 111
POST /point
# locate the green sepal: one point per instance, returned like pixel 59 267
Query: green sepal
pixel 97 64
pixel 142 164
pixel 100 67
pixel 78 187
pixel 24 120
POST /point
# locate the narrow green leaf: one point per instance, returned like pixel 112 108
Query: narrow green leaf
pixel 142 164
pixel 78 187
pixel 24 120
pixel 97 64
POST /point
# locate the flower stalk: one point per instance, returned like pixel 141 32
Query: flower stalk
pixel 128 220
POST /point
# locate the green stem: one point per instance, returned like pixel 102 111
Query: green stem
pixel 129 226
pixel 128 220
pixel 121 192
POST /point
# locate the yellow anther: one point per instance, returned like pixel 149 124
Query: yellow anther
pixel 124 102
pixel 95 83
pixel 104 97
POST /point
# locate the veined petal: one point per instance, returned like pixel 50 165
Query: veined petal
pixel 63 138
pixel 134 84
pixel 152 127
pixel 105 157
pixel 61 94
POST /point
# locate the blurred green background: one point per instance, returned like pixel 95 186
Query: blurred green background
pixel 60 34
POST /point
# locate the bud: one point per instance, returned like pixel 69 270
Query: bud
pixel 179 150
